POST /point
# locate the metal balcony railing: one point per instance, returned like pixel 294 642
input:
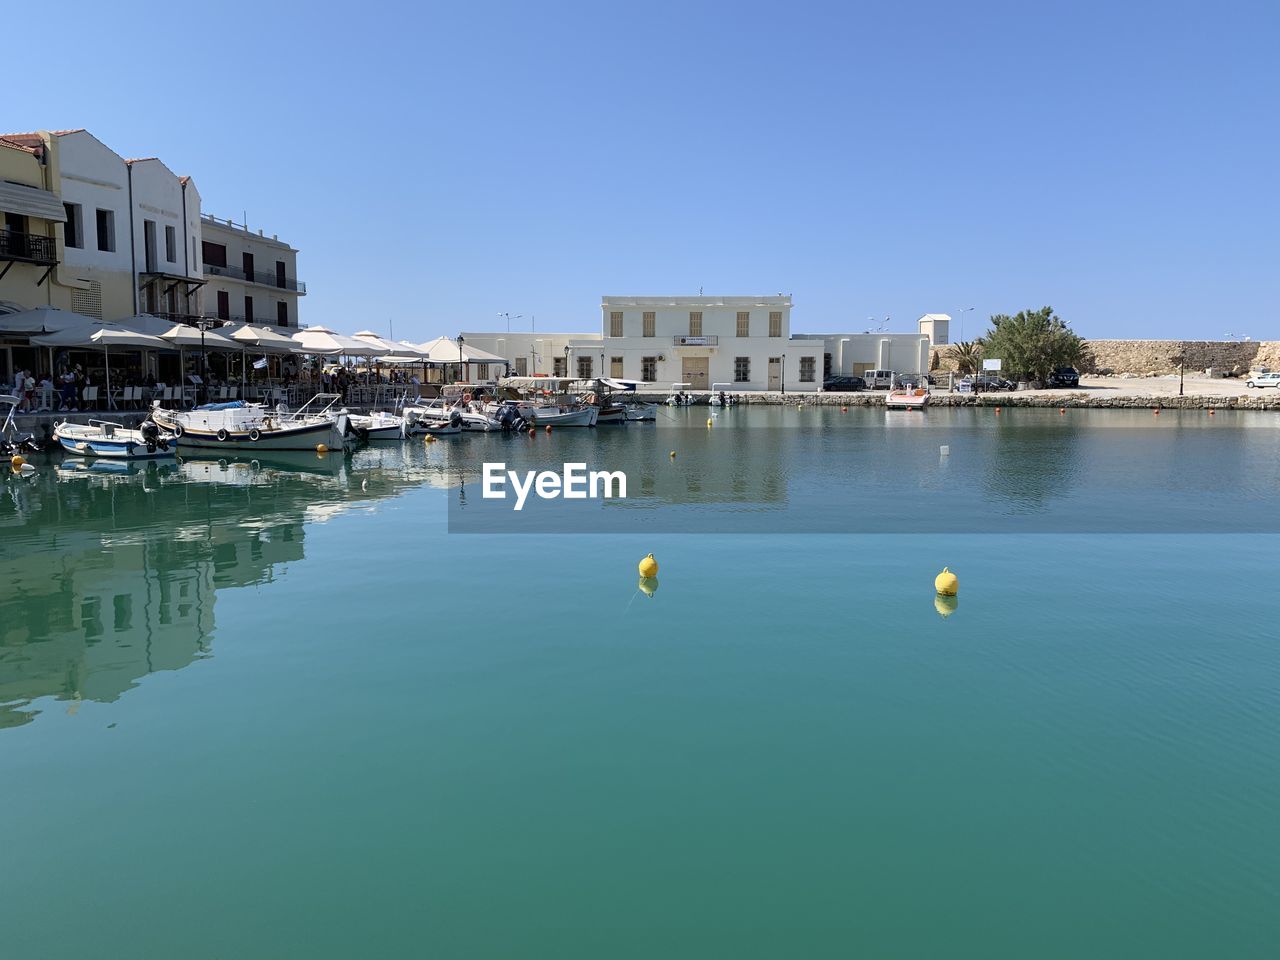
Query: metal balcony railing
pixel 707 341
pixel 28 247
pixel 264 277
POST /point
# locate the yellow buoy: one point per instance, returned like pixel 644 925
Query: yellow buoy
pixel 649 567
pixel 18 461
pixel 946 583
pixel 708 421
pixel 673 454
pixel 945 606
pixel 429 438
pixel 648 586
pixel 322 448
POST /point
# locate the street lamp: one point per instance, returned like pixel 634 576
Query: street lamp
pixel 1181 358
pixel 566 360
pixel 962 313
pixel 509 318
pixel 461 368
pixel 784 374
pixel 204 325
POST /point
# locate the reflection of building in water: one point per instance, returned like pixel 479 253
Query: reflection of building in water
pixel 109 577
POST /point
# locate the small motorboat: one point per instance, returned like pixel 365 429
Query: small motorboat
pixel 237 425
pixel 103 438
pixel 913 399
pixel 721 395
pixel 378 425
pixel 12 442
pixel 642 411
pixel 439 428
pixel 680 396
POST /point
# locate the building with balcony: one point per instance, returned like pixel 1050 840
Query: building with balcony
pixel 250 276
pixel 30 214
pixel 743 341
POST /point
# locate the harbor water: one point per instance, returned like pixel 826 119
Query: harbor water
pixel 335 707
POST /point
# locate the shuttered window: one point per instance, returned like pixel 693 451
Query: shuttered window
pixel 695 323
pixel 744 323
pixel 649 324
pixel 775 323
pixel 615 323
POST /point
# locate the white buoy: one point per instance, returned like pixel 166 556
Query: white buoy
pixel 944 450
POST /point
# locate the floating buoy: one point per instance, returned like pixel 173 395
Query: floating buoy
pixel 1155 412
pixel 997 409
pixel 945 606
pixel 673 454
pixel 1211 411
pixel 944 451
pixel 548 428
pixel 364 484
pixel 430 438
pixel 322 448
pixel 18 461
pixel 708 421
pixel 844 409
pixel 1062 409
pixel 532 431
pixel 648 586
pixel 649 567
pixel 946 583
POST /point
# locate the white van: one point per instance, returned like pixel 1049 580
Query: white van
pixel 880 379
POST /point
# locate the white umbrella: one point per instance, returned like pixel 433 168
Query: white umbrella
pixel 393 349
pixel 187 336
pixel 105 336
pixel 42 320
pixel 321 341
pixel 261 338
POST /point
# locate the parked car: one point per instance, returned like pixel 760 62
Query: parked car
pixel 1263 380
pixel 844 384
pixel 1064 377
pixel 880 379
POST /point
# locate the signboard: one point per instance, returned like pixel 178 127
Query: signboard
pixel 993 364
pixel 695 341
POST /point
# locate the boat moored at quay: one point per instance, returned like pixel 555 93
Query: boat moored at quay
pixel 237 425
pixel 115 441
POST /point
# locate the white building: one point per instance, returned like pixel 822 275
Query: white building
pixel 937 327
pixel 250 276
pixel 743 341
pixel 531 354
pixel 853 354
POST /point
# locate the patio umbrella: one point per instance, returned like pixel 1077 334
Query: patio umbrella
pixel 103 336
pixel 392 348
pixel 322 341
pixel 262 340
pixel 41 320
pixel 444 350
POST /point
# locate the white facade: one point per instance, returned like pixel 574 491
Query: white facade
pixel 532 354
pixel 249 276
pixel 937 327
pixel 852 354
pixel 132 229
pixel 742 341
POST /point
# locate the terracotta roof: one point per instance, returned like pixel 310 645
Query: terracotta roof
pixel 15 145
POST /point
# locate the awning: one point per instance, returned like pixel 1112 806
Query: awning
pixel 31 202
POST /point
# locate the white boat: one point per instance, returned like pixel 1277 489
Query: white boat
pixel 680 396
pixel 549 401
pixel 642 411
pixel 378 425
pixel 237 425
pixel 914 399
pixel 12 441
pixel 439 428
pixel 565 415
pixel 455 399
pixel 103 438
pixel 721 395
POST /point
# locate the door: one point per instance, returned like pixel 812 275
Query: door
pixel 246 264
pixel 280 274
pixel 224 305
pixel 775 373
pixel 615 367
pixel 695 372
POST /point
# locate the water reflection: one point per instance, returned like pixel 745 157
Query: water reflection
pixel 109 572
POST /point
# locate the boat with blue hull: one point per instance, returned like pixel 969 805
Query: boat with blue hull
pixel 114 441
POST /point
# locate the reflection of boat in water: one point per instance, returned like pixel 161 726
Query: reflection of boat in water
pixel 378 425
pixel 105 438
pixel 100 466
pixel 238 467
pixel 916 399
pixel 11 441
pixel 237 425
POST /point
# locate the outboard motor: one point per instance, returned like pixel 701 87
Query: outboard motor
pixel 455 419
pixel 150 435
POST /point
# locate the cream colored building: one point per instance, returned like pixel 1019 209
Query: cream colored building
pixel 937 327
pixel 249 276
pixel 531 354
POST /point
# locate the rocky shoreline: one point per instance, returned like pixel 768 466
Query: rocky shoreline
pixel 1067 398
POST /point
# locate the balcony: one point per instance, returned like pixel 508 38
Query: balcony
pixel 709 341
pixel 264 277
pixel 28 248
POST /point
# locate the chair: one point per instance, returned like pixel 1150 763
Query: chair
pixel 90 398
pixel 233 392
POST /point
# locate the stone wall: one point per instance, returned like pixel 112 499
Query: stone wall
pixel 1156 357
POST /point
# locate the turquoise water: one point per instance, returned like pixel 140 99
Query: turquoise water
pixel 279 710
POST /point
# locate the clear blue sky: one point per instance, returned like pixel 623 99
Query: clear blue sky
pixel 442 163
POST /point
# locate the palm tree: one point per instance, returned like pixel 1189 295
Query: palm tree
pixel 968 355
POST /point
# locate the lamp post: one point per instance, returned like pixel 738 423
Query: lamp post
pixel 784 374
pixel 509 317
pixel 566 360
pixel 204 325
pixel 962 313
pixel 1181 358
pixel 461 367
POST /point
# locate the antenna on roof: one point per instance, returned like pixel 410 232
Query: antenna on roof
pixel 699 291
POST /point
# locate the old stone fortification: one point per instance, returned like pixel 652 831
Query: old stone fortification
pixel 1146 358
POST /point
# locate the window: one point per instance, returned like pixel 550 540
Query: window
pixel 15 223
pixel 522 366
pixel 282 314
pixel 649 367
pixel 695 323
pixel 741 369
pixel 194 258
pixel 584 368
pixel 775 323
pixel 106 224
pixel 649 324
pixel 615 323
pixel 215 254
pixel 826 365
pixel 73 229
pixel 744 323
pixel 280 276
pixel 170 244
pixel 246 264
pixel 558 366
pixel 615 366
pixel 149 244
pixel 224 305
pixel 807 365
pixel 248 309
pixel 480 371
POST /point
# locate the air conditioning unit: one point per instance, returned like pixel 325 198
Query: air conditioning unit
pixel 661 358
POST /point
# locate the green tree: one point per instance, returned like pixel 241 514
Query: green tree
pixel 968 355
pixel 1031 344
